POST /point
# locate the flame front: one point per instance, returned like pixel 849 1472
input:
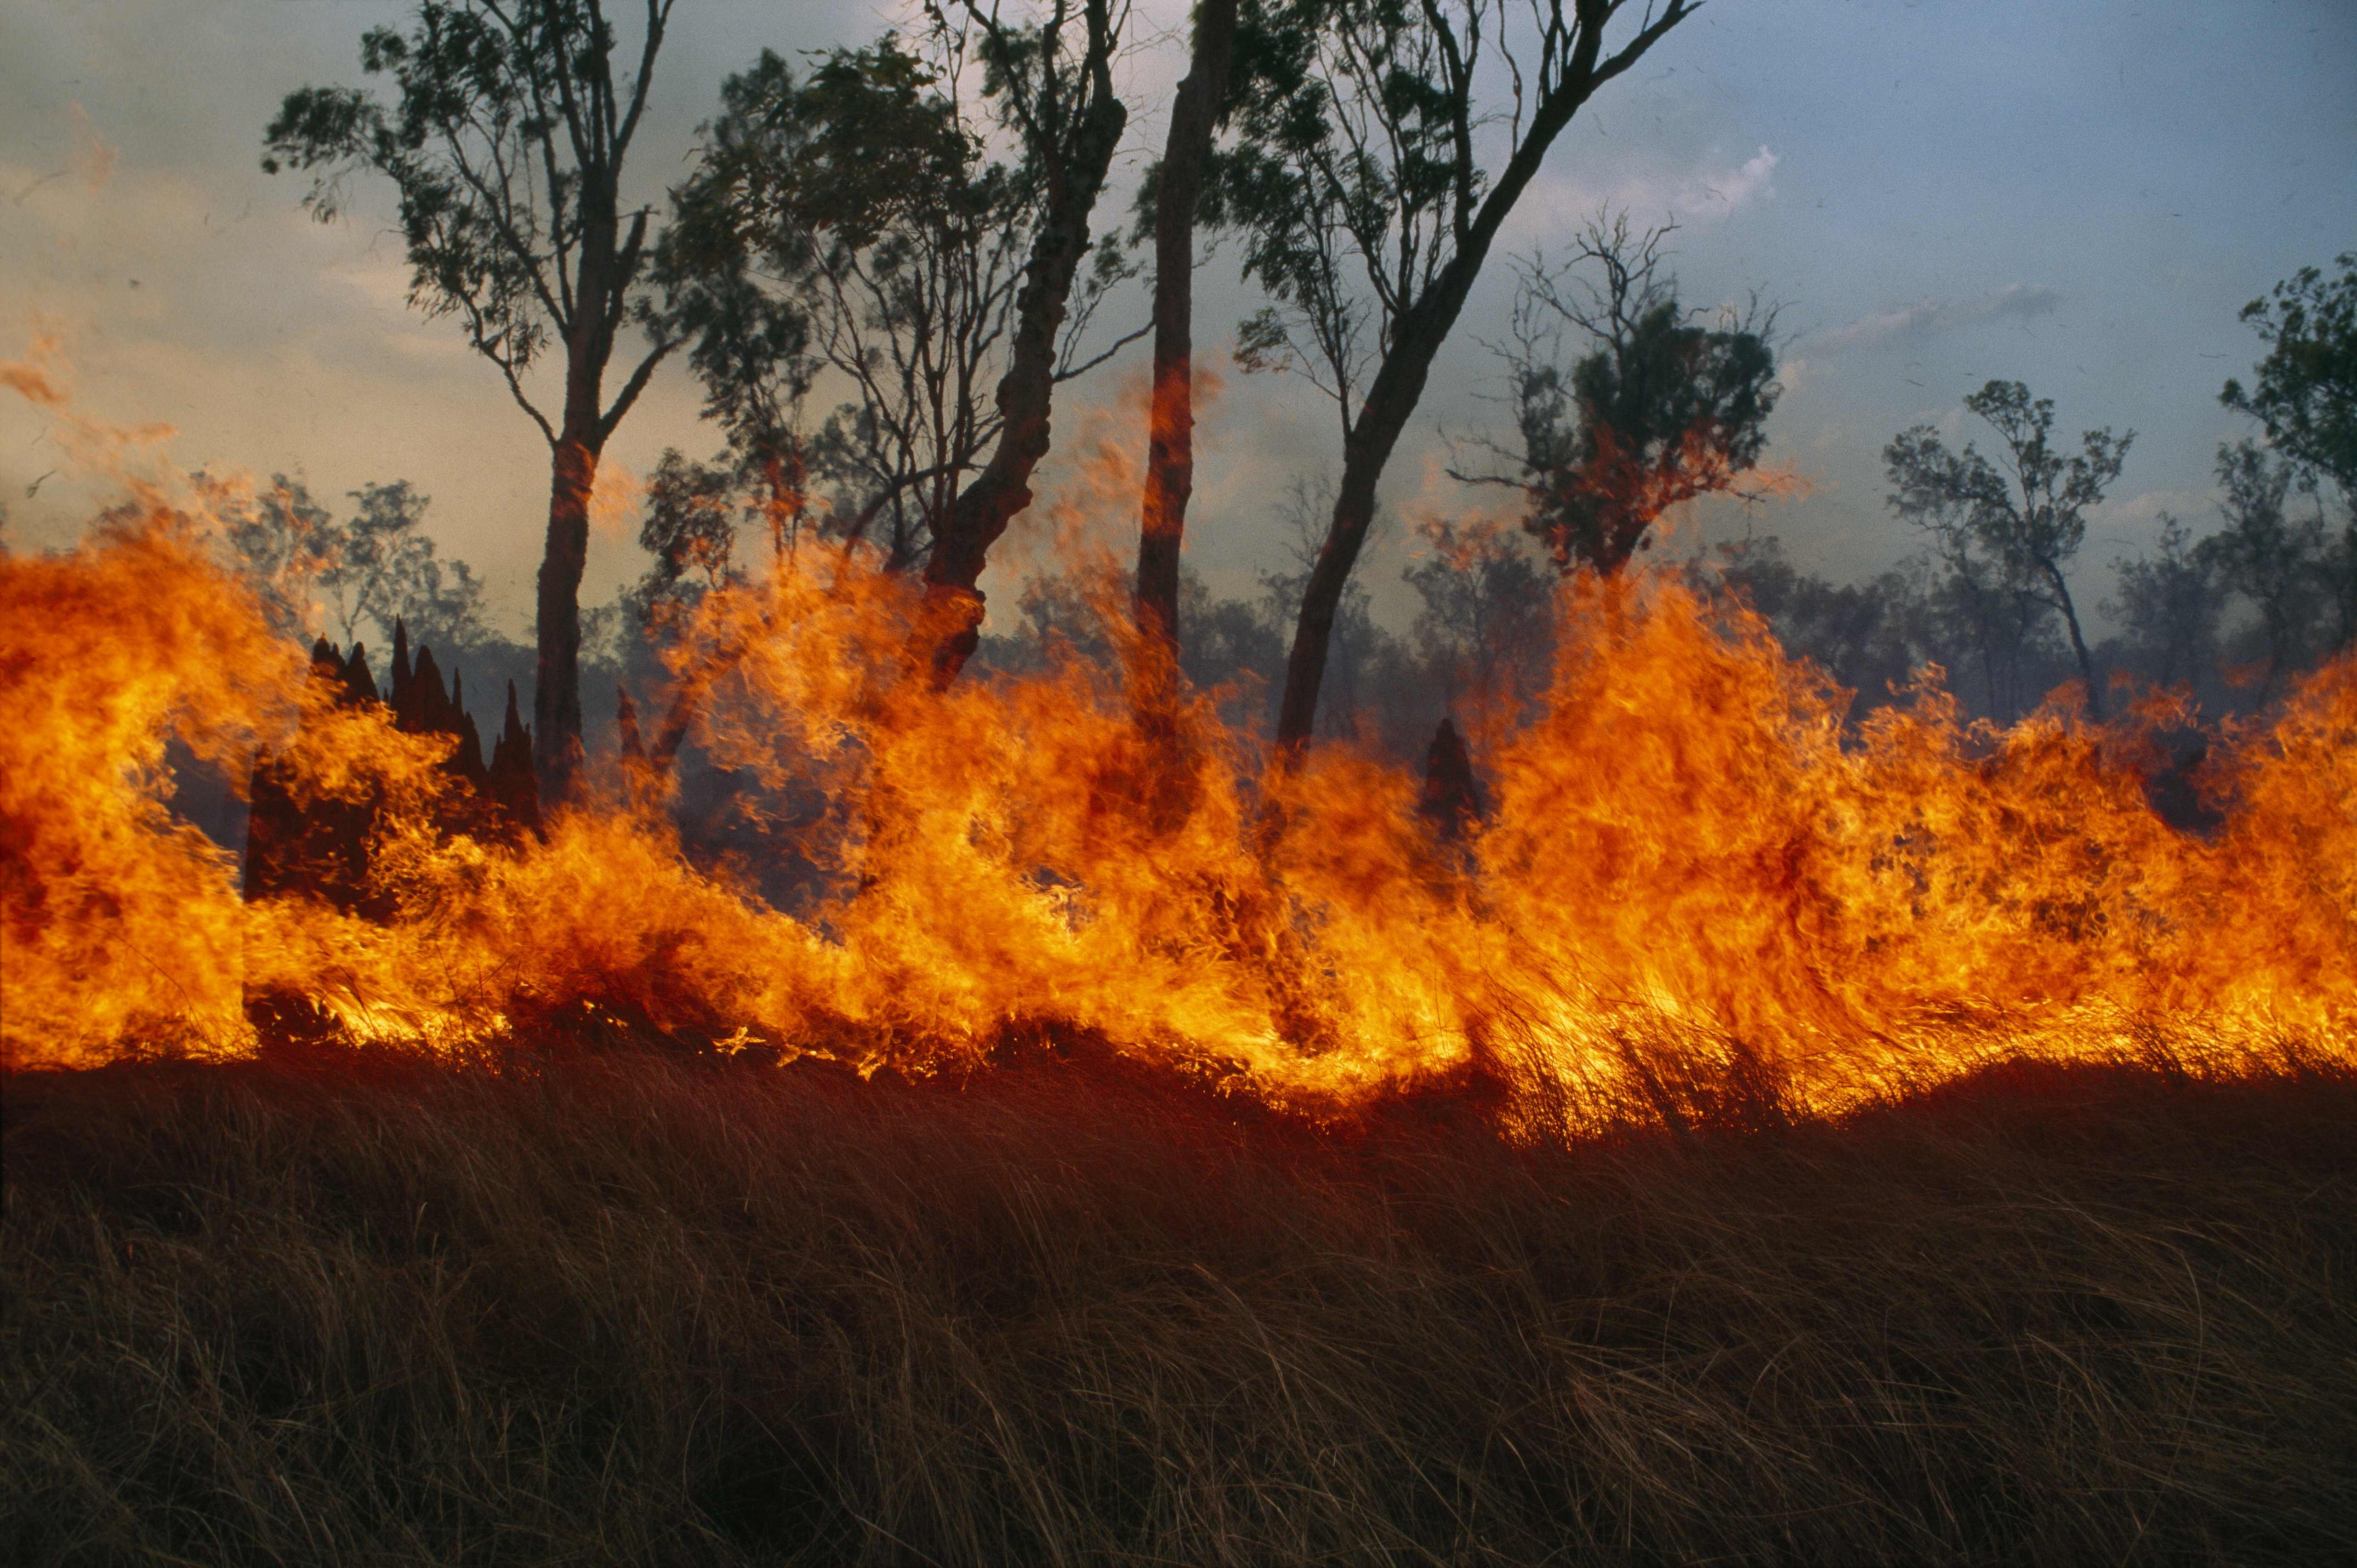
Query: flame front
pixel 1685 857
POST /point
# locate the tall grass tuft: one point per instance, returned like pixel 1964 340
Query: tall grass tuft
pixel 619 1307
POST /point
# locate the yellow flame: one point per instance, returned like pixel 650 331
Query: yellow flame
pixel 1686 853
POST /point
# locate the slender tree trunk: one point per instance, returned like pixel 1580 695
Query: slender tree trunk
pixel 580 441
pixel 2078 643
pixel 950 624
pixel 557 683
pixel 1373 434
pixel 1170 438
pixel 2345 595
pixel 573 472
pixel 1392 397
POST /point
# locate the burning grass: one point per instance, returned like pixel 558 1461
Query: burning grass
pixel 1756 1138
pixel 612 1305
pixel 1685 837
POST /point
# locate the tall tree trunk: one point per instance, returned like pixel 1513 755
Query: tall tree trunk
pixel 950 623
pixel 2078 643
pixel 556 671
pixel 1170 437
pixel 1422 328
pixel 1390 399
pixel 572 473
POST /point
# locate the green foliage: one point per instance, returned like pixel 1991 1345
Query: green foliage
pixel 367 571
pixel 692 517
pixel 505 143
pixel 2305 390
pixel 849 221
pixel 2170 603
pixel 861 145
pixel 1346 159
pixel 1661 410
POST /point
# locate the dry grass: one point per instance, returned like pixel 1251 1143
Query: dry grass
pixel 362 1309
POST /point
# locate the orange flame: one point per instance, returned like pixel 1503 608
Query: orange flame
pixel 1686 853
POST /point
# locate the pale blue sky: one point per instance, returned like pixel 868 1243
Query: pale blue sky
pixel 2078 195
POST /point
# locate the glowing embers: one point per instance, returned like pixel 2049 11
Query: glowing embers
pixel 1682 872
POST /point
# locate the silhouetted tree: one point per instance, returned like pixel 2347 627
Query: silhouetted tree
pixel 366 572
pixel 694 513
pixel 1868 637
pixel 1370 180
pixel 507 145
pixel 382 568
pixel 1195 113
pixel 1978 612
pixel 1660 410
pixel 2024 525
pixel 1356 643
pixel 2270 557
pixel 1486 628
pixel 2170 602
pixel 846 220
pixel 2305 394
pixel 278 546
pixel 863 193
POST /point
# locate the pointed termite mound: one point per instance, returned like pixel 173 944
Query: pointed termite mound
pixel 513 787
pixel 1451 800
pixel 400 676
pixel 467 762
pixel 359 686
pixel 298 843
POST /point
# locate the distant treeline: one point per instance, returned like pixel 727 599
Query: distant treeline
pixel 2229 617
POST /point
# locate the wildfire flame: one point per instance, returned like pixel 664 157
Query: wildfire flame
pixel 1688 858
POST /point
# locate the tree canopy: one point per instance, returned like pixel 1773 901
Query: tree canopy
pixel 2025 521
pixel 506 146
pixel 1662 409
pixel 2304 392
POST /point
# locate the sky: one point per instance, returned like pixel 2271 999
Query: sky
pixel 1935 192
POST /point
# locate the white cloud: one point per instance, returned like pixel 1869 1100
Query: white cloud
pixel 1756 180
pixel 2195 508
pixel 1705 193
pixel 1926 317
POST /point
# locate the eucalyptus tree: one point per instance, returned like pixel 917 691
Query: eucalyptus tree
pixel 365 572
pixel 507 143
pixel 2305 394
pixel 2170 602
pixel 844 222
pixel 1661 409
pixel 2305 390
pixel 1052 79
pixel 1178 180
pixel 863 196
pixel 1374 169
pixel 2266 553
pixel 2024 516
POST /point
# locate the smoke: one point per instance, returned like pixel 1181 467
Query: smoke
pixel 2020 301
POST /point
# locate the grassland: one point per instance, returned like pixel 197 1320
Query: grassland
pixel 619 1307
